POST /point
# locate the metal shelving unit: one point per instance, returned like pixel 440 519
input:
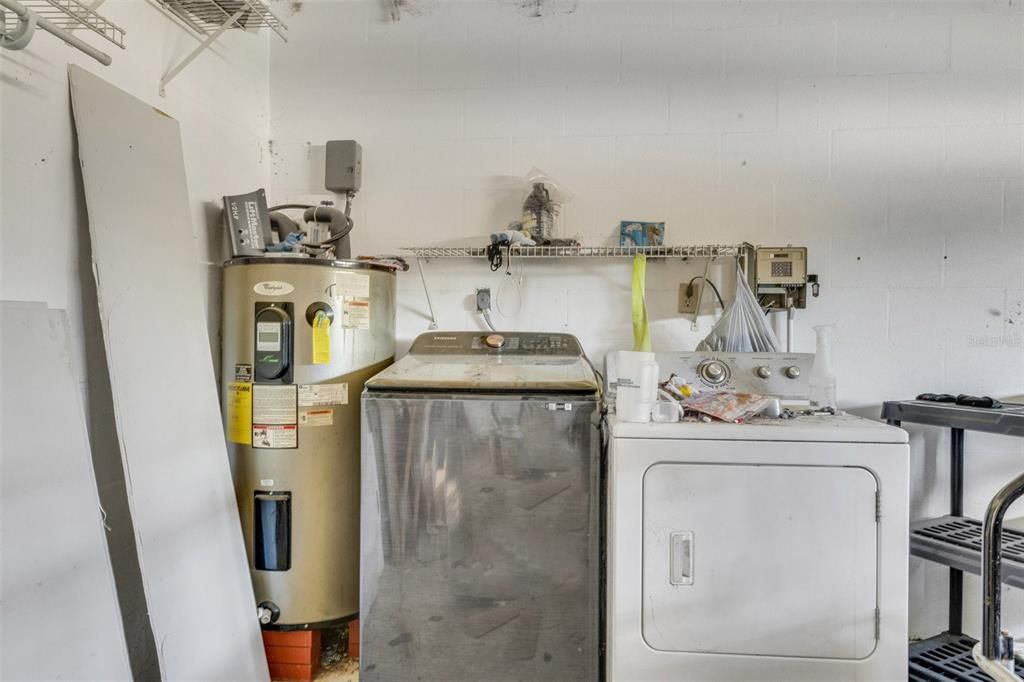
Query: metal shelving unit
pixel 208 19
pixel 704 251
pixel 964 544
pixel 943 658
pixel 59 18
pixel 956 541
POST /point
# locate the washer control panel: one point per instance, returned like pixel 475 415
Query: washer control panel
pixel 782 375
pixel 497 343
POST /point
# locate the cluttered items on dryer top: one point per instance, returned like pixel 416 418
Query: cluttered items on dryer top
pixel 732 387
pixel 499 361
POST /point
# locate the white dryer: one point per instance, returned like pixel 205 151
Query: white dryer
pixel 774 550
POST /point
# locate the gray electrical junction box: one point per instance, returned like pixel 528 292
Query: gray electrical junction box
pixel 344 172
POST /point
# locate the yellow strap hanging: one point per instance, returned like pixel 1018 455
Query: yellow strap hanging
pixel 641 328
pixel 321 338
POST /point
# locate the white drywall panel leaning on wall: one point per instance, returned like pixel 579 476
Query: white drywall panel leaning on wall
pixel 60 618
pixel 193 561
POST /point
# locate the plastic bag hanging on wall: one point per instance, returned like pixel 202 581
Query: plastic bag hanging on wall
pixel 743 327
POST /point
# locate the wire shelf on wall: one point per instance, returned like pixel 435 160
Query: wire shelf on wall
pixel 203 16
pixel 208 19
pixel 703 251
pixel 72 14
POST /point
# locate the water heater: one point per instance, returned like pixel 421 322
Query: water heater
pixel 300 336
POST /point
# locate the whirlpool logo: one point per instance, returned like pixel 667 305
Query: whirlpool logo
pixel 273 288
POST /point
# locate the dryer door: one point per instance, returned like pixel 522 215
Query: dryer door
pixel 760 559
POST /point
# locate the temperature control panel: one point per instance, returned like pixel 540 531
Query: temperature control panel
pixel 272 343
pixel 497 343
pixel 782 375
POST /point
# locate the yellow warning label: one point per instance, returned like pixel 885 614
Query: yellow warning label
pixel 239 410
pixel 321 338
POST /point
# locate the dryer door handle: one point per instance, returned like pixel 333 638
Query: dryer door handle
pixel 680 563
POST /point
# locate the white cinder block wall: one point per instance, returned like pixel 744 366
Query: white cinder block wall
pixel 221 101
pixel 886 137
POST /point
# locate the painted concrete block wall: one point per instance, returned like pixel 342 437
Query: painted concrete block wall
pixel 886 137
pixel 222 104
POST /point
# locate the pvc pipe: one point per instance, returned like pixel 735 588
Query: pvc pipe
pixel 23 13
pixel 790 315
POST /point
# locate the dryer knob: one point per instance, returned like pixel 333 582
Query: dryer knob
pixel 713 372
pixel 764 371
pixel 494 340
pixel 792 372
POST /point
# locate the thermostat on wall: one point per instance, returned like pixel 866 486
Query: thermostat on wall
pixel 781 277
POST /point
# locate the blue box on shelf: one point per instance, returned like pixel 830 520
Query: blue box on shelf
pixel 634 233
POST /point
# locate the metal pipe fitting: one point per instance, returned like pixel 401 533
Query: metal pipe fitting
pixel 992 640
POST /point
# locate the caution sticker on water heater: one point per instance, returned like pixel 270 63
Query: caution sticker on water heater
pixel 356 313
pixel 279 436
pixel 323 416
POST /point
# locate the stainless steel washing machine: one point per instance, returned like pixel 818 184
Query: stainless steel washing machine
pixel 481 508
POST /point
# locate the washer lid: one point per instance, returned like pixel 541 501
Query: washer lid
pixel 520 362
pixel 426 373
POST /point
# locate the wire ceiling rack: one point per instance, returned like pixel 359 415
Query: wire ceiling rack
pixel 701 251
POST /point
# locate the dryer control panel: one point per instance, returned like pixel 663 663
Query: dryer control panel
pixel 497 343
pixel 782 375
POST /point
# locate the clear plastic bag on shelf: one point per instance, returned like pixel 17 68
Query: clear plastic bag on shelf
pixel 543 199
pixel 743 327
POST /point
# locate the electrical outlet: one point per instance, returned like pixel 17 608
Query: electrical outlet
pixel 687 304
pixel 483 299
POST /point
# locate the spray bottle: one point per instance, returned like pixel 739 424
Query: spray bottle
pixel 822 383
